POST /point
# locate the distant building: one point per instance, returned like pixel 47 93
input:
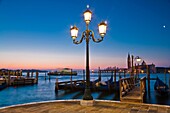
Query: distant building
pixel 142 68
pixel 143 63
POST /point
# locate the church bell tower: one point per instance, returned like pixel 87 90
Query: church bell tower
pixel 128 61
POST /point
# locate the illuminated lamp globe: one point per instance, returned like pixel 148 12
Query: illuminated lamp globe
pixel 87 16
pixel 138 59
pixel 102 28
pixel 74 32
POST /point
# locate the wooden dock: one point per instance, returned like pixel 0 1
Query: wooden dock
pixel 110 85
pixel 80 85
pixel 73 85
pixel 130 91
pixel 15 77
pixel 23 81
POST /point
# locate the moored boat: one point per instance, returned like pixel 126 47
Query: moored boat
pixel 65 71
pixel 107 85
pixel 161 88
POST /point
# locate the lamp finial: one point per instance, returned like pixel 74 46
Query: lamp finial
pixel 88 6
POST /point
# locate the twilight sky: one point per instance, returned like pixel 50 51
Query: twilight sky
pixel 36 33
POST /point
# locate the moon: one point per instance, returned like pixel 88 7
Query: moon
pixel 164 26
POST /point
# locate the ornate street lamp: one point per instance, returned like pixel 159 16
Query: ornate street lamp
pixel 138 60
pixel 87 35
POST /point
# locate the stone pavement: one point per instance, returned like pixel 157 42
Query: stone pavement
pixel 73 106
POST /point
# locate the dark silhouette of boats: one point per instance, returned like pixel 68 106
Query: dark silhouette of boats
pixel 96 85
pixel 83 85
pixel 161 88
pixel 108 85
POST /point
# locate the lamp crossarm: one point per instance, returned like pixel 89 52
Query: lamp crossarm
pixel 94 39
pixel 82 37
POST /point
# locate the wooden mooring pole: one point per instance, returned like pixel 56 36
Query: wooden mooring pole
pixel 37 77
pixel 49 77
pixel 115 78
pixel 20 72
pixel 165 76
pixel 120 75
pixel 132 72
pixel 45 77
pixel 124 73
pixel 28 74
pixel 71 80
pixel 56 86
pixel 148 74
pixel 9 78
pixel 32 74
pixel 16 73
pixel 169 80
pixel 99 74
pixel 84 75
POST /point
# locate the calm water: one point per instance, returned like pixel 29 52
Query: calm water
pixel 45 91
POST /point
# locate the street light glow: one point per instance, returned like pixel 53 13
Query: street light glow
pixel 138 60
pixel 74 32
pixel 87 16
pixel 102 28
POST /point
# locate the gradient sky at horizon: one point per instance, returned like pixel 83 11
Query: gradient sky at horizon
pixel 35 33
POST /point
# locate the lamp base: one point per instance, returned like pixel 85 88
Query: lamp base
pixel 87 94
pixel 87 102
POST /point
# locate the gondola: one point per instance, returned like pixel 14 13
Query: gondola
pixel 106 85
pixel 161 88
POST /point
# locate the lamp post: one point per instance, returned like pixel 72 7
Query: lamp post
pixel 87 35
pixel 138 60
